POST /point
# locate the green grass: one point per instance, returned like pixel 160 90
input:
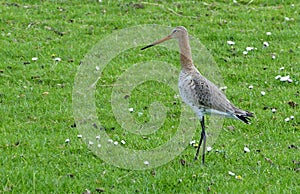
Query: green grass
pixel 34 157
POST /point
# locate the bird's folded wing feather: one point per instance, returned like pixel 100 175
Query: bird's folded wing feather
pixel 208 95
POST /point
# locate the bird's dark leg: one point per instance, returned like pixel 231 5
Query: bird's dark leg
pixel 204 141
pixel 202 138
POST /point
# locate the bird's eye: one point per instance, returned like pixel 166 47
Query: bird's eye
pixel 174 31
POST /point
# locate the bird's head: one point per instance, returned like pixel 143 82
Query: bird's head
pixel 176 33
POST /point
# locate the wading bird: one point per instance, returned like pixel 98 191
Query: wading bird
pixel 199 93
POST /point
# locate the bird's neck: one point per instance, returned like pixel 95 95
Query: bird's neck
pixel 185 54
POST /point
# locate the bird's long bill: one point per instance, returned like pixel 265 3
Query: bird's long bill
pixel 157 42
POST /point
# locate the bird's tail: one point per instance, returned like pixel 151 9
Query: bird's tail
pixel 243 115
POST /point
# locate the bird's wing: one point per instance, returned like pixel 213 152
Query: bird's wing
pixel 210 96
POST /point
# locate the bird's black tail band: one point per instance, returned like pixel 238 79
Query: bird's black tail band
pixel 245 117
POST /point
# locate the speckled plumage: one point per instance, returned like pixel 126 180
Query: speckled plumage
pixel 205 98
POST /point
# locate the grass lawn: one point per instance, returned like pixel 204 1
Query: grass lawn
pixel 43 44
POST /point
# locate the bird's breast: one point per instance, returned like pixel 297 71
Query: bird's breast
pixel 187 89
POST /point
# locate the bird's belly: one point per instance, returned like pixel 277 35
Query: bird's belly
pixel 190 99
pixel 201 111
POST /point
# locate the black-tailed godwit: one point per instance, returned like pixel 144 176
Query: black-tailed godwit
pixel 199 93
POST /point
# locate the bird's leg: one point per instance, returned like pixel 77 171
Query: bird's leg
pixel 202 138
